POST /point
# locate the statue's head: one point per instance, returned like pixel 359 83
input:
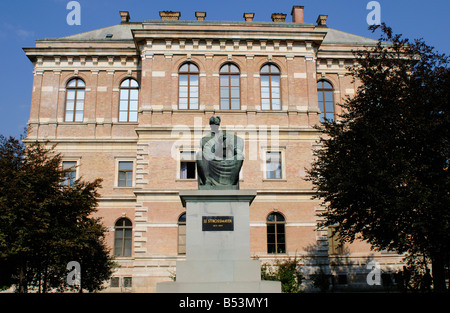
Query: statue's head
pixel 214 120
pixel 214 123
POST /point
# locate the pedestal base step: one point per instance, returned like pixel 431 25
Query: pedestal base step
pixel 264 286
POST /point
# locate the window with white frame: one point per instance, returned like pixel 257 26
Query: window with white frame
pixel 188 167
pixel 273 166
pixel 129 98
pixel 125 173
pixel 70 172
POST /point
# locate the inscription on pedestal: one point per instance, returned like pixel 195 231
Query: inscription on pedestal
pixel 217 223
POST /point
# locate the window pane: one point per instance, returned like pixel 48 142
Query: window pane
pixel 265 69
pixel 275 81
pixel 193 80
pixel 183 92
pixel 69 105
pixel 80 94
pixel 133 83
pixel 329 108
pixel 193 68
pixel 123 105
pixel 265 104
pixel 234 80
pixel 224 80
pixel 193 103
pixel 121 179
pixel 265 81
pixel 183 79
pixel 274 69
pixel 235 92
pixel 235 104
pixel 322 117
pixel 126 165
pixel 184 68
pixel 127 249
pixel 182 103
pixel 326 85
pixel 276 104
pixel 234 68
pixel 193 92
pixel 133 105
pixel 275 93
pixel 69 164
pixel 70 94
pixel 190 170
pixel 125 83
pixel 134 94
pixel 78 116
pixel 124 94
pixel 80 83
pixel 187 155
pixel 328 96
pixel 224 104
pixel 133 116
pixel 80 105
pixel 265 93
pixel 123 116
pixel 72 83
pixel 224 92
pixel 273 156
pixel 69 116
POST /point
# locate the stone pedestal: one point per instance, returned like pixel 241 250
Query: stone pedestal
pixel 218 246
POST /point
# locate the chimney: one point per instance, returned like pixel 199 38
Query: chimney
pixel 200 16
pixel 124 16
pixel 278 17
pixel 322 20
pixel 297 14
pixel 169 15
pixel 249 17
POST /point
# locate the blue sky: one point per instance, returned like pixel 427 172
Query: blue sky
pixel 24 21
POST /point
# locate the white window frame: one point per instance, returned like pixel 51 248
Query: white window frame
pixel 282 150
pixel 178 177
pixel 77 166
pixel 116 171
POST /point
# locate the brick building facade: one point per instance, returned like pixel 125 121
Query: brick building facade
pixel 129 104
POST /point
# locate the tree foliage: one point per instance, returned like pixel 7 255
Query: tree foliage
pixel 287 271
pixel 382 169
pixel 44 225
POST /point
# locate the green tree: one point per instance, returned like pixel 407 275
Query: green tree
pixel 44 225
pixel 382 169
pixel 287 271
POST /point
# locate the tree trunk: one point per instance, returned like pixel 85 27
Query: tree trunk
pixel 22 279
pixel 437 268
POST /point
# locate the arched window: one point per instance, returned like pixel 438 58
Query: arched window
pixel 326 102
pixel 276 240
pixel 75 92
pixel 229 87
pixel 123 233
pixel 188 87
pixel 270 87
pixel 129 99
pixel 182 234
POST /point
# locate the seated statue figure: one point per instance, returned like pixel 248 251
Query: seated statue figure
pixel 220 159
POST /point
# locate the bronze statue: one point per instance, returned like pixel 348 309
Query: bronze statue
pixel 220 159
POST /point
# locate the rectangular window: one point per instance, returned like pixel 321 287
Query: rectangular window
pixel 127 282
pixel 71 172
pixel 125 174
pixel 187 165
pixel 114 282
pixel 273 165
